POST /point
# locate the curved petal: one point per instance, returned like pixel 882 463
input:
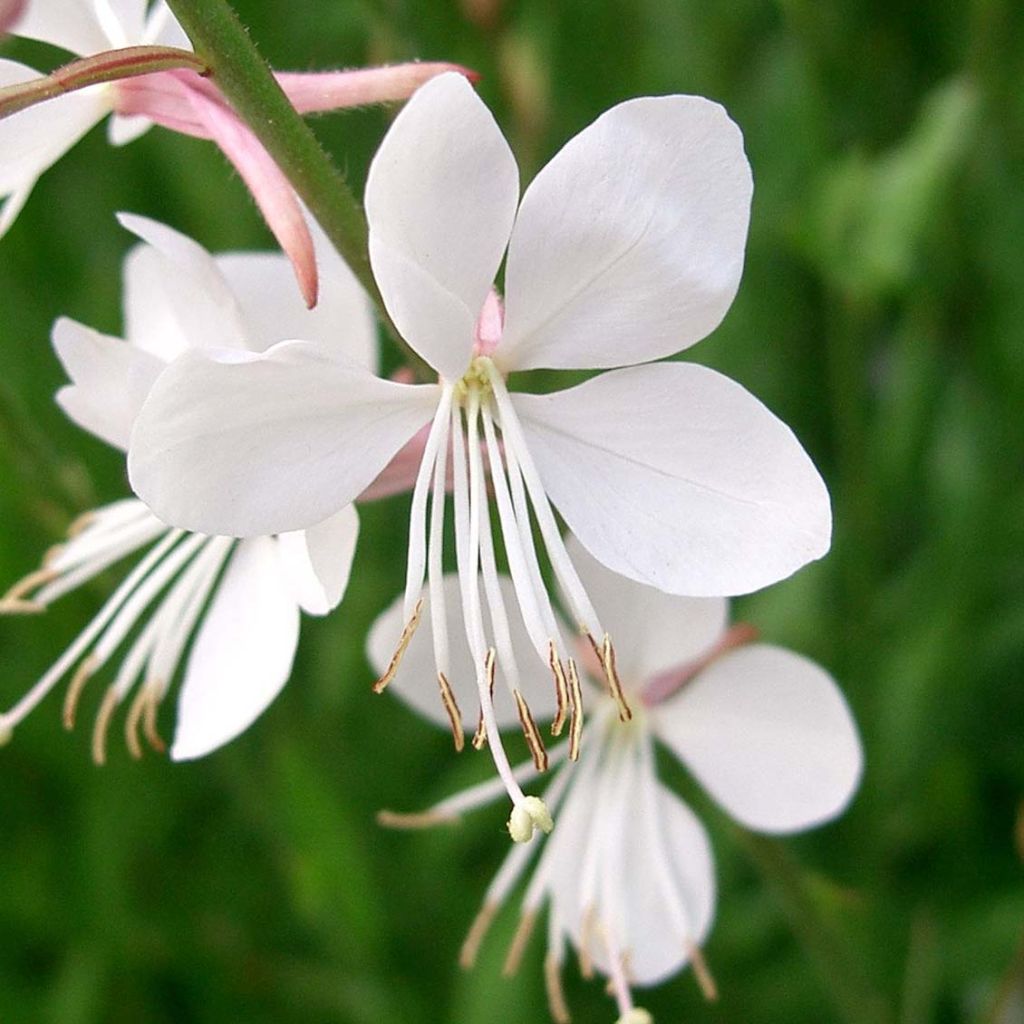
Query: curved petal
pixel 110 380
pixel 629 244
pixel 35 138
pixel 342 319
pixel 318 561
pixel 769 735
pixel 246 445
pixel 416 679
pixel 440 200
pixel 243 652
pixel 69 24
pixel 123 129
pixel 646 928
pixel 673 475
pixel 175 298
pixel 652 631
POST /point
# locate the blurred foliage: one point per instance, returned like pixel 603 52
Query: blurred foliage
pixel 881 315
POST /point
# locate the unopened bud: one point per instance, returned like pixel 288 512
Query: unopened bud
pixel 530 814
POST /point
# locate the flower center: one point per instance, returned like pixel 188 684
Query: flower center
pixel 476 380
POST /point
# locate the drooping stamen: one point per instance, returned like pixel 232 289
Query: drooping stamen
pixel 14 603
pixel 514 956
pixel 100 727
pixel 612 677
pixel 587 928
pixel 532 733
pixel 451 706
pixel 480 736
pixel 576 711
pixel 82 675
pixel 131 723
pixel 403 643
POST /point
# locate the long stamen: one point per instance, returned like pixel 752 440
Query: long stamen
pixel 612 677
pixel 557 1005
pixel 517 948
pixel 403 643
pixel 576 711
pixel 451 706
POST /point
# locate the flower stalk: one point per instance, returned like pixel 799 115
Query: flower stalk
pixel 109 66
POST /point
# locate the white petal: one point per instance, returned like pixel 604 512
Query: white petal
pixel 34 139
pixel 440 199
pixel 264 285
pixel 175 297
pixel 243 653
pixel 70 24
pixel 318 560
pixel 769 735
pixel 416 680
pixel 652 631
pixel 110 380
pixel 267 443
pixel 675 476
pixel 648 931
pixel 163 29
pixel 629 244
pixel 121 130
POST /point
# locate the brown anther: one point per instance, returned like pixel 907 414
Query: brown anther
pixel 38 578
pixel 587 929
pixel 420 819
pixel 490 665
pixel 576 709
pixel 131 724
pixel 51 555
pixel 80 524
pixel 561 689
pixel 518 945
pixel 149 728
pixel 532 733
pixel 557 1005
pixel 477 931
pixel 19 606
pixel 451 705
pixel 102 724
pixel 403 643
pixel 702 973
pixel 82 675
pixel 612 677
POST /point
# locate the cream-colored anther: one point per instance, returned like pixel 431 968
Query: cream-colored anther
pixel 527 816
pixel 637 1015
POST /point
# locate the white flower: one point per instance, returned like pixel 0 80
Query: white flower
pixel 627 876
pixel 628 246
pixel 241 600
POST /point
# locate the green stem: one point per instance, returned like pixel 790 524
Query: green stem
pixel 109 66
pixel 247 82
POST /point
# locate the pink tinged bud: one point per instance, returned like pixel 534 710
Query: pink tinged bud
pixel 318 91
pixel 489 325
pixel 10 12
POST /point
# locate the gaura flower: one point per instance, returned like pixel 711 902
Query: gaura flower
pixel 626 247
pixel 34 139
pixel 627 877
pixel 239 601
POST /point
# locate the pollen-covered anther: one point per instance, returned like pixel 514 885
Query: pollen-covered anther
pixel 576 711
pixel 561 690
pixel 557 1005
pixel 532 733
pixel 416 820
pixel 451 706
pixel 702 972
pixel 102 725
pixel 477 378
pixel 403 643
pixel 530 814
pixel 82 675
pixel 612 677
pixel 516 949
pixel 477 930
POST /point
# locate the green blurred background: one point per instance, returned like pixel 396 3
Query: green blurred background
pixel 881 315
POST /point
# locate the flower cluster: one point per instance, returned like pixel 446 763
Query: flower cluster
pixel 598 528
